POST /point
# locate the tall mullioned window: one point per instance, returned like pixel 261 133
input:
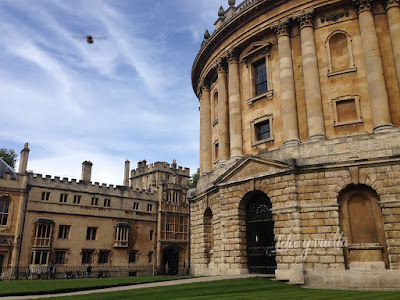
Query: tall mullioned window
pixel 260 71
pixel 4 210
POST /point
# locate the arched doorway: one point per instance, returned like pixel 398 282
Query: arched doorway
pixel 260 233
pixel 171 261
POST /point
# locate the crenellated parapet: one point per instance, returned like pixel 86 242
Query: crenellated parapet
pixel 56 182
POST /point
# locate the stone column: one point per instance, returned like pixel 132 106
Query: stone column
pixel 288 95
pixel 312 87
pixel 392 9
pixel 205 130
pixel 223 112
pixel 373 63
pixel 235 110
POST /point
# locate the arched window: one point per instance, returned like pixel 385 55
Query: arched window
pixel 340 54
pixel 4 210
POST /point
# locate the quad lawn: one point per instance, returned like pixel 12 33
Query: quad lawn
pixel 36 286
pixel 247 288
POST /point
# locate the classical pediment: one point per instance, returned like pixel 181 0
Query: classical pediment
pixel 254 48
pixel 253 166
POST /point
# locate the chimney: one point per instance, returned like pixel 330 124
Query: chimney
pixel 23 162
pixel 126 175
pixel 86 171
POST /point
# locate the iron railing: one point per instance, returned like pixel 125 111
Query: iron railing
pixel 66 272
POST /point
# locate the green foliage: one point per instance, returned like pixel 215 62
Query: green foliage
pixel 194 179
pixel 9 156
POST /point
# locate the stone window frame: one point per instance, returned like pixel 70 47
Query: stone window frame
pixel 9 213
pixel 358 110
pixel 43 232
pixel 214 154
pixel 104 256
pixel 253 54
pixel 254 141
pixel 214 110
pixel 57 260
pixel 352 64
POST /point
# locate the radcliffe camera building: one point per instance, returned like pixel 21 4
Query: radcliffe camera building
pixel 132 229
pixel 299 141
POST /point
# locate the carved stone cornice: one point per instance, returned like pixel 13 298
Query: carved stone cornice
pixel 233 56
pixel 390 3
pixel 362 5
pixel 306 19
pixel 281 28
pixel 335 16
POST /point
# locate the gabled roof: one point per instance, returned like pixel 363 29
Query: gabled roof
pixel 252 166
pixel 5 168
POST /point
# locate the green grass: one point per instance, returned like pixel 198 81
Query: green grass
pixel 26 286
pixel 247 288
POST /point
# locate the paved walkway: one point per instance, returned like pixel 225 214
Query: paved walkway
pixel 140 286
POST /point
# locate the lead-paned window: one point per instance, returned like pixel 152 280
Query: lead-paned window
pixel 4 210
pixel 91 233
pixel 63 231
pixel 260 72
pixel 263 130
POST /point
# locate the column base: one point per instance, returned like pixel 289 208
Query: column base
pixel 316 137
pixel 290 143
pixel 384 128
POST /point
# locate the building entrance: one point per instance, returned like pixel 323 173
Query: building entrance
pixel 171 261
pixel 260 235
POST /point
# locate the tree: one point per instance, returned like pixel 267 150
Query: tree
pixel 194 179
pixel 9 156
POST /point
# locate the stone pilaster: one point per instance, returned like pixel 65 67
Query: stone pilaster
pixel 392 9
pixel 288 95
pixel 373 63
pixel 312 87
pixel 235 111
pixel 205 130
pixel 223 112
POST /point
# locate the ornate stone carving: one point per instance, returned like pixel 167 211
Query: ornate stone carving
pixel 281 28
pixel 335 16
pixel 233 56
pixel 362 5
pixel 390 3
pixel 306 19
pixel 221 64
pixel 5 241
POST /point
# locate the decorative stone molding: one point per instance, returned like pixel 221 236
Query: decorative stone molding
pixel 221 64
pixel 362 5
pixel 306 19
pixel 352 65
pixel 390 3
pixel 335 16
pixel 233 56
pixel 281 28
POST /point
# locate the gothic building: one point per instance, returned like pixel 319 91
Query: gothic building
pixel 300 143
pixel 72 223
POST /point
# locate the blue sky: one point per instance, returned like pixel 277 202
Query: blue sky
pixel 128 96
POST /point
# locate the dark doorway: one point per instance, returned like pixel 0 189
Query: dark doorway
pixel 171 261
pixel 260 234
pixel 1 262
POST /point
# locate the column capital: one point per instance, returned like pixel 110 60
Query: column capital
pixel 362 5
pixel 221 64
pixel 306 19
pixel 233 56
pixel 205 85
pixel 390 3
pixel 281 28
